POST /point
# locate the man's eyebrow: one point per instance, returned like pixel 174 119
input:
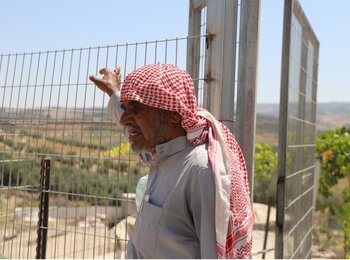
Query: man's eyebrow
pixel 133 102
pixel 135 105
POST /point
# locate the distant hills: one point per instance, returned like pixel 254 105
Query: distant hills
pixel 329 115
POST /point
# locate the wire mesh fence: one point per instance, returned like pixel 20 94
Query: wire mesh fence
pixel 297 175
pixel 49 109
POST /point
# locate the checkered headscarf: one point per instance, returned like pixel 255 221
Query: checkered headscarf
pixel 167 87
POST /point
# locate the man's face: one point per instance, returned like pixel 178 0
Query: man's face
pixel 147 126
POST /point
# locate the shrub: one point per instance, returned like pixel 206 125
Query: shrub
pixel 122 149
pixel 265 169
pixel 8 142
pixel 333 151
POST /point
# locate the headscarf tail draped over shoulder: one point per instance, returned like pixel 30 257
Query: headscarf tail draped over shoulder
pixel 167 87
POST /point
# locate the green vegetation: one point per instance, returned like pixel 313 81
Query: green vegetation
pixel 333 202
pixel 80 167
pixel 265 170
pixel 121 149
pixel 89 165
pixel 79 183
pixel 333 151
pixel 23 132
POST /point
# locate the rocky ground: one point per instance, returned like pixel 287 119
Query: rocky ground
pixel 91 235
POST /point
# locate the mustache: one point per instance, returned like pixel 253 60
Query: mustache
pixel 133 129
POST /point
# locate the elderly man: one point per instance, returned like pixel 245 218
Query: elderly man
pixel 197 203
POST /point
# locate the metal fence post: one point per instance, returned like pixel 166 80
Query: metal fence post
pixel 297 128
pixel 43 214
pixel 283 119
pixel 221 60
pixel 247 81
pixel 193 43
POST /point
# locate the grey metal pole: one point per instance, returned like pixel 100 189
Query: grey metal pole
pixel 247 82
pixel 193 43
pixel 282 135
pixel 221 59
pixel 43 215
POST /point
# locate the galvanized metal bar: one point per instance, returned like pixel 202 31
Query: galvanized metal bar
pixel 94 48
pixel 193 44
pixel 72 134
pixel 135 57
pixel 221 59
pixel 202 77
pixel 5 84
pixel 12 148
pixel 4 146
pixel 155 51
pixel 247 83
pixel 63 138
pixel 1 58
pixel 21 139
pixel 116 242
pixel 89 154
pixel 100 138
pixel 63 59
pixel 30 122
pixel 176 50
pixel 109 148
pixel 50 95
pixel 42 96
pixel 145 57
pixel 308 234
pixel 166 52
pixel 282 135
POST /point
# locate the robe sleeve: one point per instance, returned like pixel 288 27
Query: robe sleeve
pixel 114 107
pixel 202 203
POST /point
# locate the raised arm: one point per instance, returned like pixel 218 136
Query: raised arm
pixel 110 84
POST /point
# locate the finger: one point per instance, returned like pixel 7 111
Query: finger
pixel 117 69
pixel 95 79
pixel 92 77
pixel 104 70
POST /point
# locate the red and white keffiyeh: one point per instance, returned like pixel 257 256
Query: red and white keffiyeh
pixel 167 87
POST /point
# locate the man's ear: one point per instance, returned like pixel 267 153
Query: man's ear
pixel 175 117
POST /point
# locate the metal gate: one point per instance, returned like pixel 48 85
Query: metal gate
pixel 227 61
pixel 49 109
pixel 296 161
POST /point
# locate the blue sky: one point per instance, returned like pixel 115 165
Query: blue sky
pixel 48 25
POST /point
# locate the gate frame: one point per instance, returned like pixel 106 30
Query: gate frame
pixel 289 7
pixel 220 66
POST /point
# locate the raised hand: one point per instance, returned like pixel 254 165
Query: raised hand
pixel 110 82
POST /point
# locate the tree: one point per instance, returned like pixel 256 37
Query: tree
pixel 265 168
pixel 333 151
